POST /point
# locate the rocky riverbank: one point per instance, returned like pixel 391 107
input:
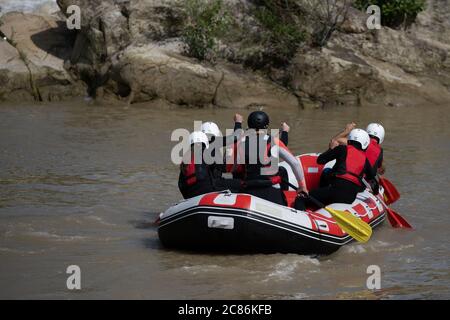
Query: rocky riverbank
pixel 132 51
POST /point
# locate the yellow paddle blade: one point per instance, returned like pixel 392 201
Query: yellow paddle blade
pixel 354 226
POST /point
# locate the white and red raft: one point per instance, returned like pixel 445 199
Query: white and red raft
pixel 241 223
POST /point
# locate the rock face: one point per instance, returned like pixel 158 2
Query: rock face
pixel 32 59
pixel 382 67
pixel 14 74
pixel 337 75
pixel 130 50
pixel 152 71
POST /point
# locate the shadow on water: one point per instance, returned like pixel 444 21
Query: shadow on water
pixel 144 224
pixel 153 243
pixel 149 222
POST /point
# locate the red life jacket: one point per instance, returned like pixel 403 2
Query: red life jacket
pixel 188 171
pixel 354 164
pixel 373 153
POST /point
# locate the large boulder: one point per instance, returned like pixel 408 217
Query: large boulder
pixel 241 88
pixel 152 72
pixel 34 55
pixel 104 33
pixel 14 75
pixel 334 76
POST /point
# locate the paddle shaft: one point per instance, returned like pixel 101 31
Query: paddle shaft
pixel 390 191
pixel 316 202
pixel 395 219
pixel 355 227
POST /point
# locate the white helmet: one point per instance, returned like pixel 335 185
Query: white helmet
pixel 211 129
pixel 361 136
pixel 376 130
pixel 199 137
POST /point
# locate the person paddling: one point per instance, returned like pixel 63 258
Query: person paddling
pixel 195 175
pixel 351 166
pixel 262 177
pixel 375 152
pixel 327 175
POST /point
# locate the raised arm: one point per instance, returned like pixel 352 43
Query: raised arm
pixel 238 121
pixel 341 137
pixel 284 135
pixel 229 140
pixel 296 166
pixel 330 155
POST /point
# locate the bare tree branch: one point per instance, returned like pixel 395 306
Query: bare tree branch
pixel 329 15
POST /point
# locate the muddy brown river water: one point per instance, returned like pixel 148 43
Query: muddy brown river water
pixel 81 184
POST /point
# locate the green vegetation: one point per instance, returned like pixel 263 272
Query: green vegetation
pixel 283 32
pixel 274 42
pixel 395 13
pixel 206 21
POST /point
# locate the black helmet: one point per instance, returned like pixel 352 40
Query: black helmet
pixel 258 120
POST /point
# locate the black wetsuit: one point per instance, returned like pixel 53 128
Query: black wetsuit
pixel 195 179
pixel 340 190
pixel 284 185
pixel 284 137
pixel 218 169
pixel 257 184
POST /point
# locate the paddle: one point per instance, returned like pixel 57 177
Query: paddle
pixel 391 193
pixel 354 226
pixel 395 219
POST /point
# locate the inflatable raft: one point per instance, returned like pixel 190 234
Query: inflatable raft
pixel 229 222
